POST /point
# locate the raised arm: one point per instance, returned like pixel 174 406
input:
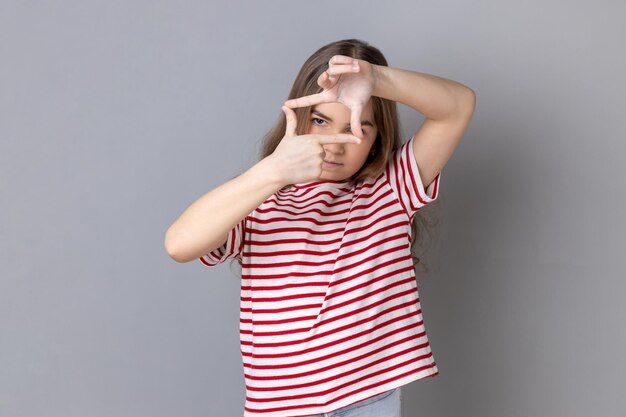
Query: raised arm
pixel 205 224
pixel 447 105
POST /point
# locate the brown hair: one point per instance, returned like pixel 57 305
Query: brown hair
pixel 385 116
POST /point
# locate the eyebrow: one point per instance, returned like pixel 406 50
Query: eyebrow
pixel 322 115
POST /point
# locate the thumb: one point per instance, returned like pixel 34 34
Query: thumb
pixel 290 115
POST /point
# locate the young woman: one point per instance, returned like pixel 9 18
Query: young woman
pixel 330 312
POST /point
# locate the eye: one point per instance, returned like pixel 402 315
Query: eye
pixel 317 121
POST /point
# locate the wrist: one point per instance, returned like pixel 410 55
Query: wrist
pixel 380 74
pixel 268 169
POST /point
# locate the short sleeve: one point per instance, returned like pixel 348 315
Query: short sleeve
pixel 406 183
pixel 232 248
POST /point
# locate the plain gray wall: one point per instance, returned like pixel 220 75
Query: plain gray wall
pixel 116 115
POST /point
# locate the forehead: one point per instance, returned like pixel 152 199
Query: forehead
pixel 339 112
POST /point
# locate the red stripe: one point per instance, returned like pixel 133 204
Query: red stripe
pixel 396 176
pixel 284 287
pixel 376 192
pixel 304 186
pixel 297 219
pixel 378 220
pixel 346 244
pixel 314 203
pixel 373 233
pixel 408 280
pixel 289 252
pixel 269 322
pixel 369 258
pixel 292 241
pixel 285 297
pixel 282 230
pixel 332 261
pixel 353 208
pixel 355 195
pixel 344 363
pixel 354 324
pixel 287 275
pixel 345 384
pixel 369 215
pixel 323 253
pixel 436 186
pixel 283 264
pixel 326 272
pixel 333 342
pixel 299 213
pixel 279 310
pixel 373 245
pixel 279 230
pixel 202 259
pixel 315 198
pixel 410 186
pixel 371 203
pixel 381 277
pixel 338 305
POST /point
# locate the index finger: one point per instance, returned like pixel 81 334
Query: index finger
pixel 307 100
pixel 338 138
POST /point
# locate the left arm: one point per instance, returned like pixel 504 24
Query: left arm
pixel 447 105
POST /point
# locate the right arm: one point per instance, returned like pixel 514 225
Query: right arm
pixel 205 224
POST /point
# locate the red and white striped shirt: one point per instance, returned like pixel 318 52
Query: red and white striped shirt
pixel 330 311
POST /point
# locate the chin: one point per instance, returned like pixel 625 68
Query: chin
pixel 326 176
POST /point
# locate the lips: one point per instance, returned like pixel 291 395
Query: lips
pixel 331 162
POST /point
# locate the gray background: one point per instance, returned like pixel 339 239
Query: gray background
pixel 116 115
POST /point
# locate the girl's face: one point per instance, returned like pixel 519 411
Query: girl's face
pixel 342 160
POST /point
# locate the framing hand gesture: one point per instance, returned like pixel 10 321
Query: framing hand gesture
pixel 299 158
pixel 348 81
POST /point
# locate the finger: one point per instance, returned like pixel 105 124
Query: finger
pixel 326 81
pixel 355 121
pixel 307 100
pixel 341 59
pixel 339 138
pixel 292 122
pixel 343 69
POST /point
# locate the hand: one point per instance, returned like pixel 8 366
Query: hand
pixel 347 80
pixel 299 159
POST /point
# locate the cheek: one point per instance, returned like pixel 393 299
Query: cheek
pixel 361 154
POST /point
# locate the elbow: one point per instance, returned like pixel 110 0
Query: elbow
pixel 175 249
pixel 468 102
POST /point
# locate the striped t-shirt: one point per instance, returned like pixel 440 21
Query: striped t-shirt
pixel 329 311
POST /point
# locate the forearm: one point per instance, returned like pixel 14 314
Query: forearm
pixel 205 224
pixel 435 97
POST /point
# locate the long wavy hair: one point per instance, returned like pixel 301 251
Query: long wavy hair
pixel 385 115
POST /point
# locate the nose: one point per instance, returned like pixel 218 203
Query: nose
pixel 334 148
